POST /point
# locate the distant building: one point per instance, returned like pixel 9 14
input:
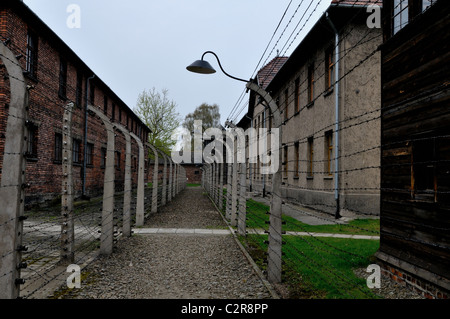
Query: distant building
pixel 415 126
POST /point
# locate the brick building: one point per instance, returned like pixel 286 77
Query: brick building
pixel 57 77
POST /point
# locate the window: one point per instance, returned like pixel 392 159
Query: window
pixel 400 15
pixel 427 4
pixel 120 116
pixel 31 142
pixel 103 157
pixel 329 68
pixel 90 154
pixel 311 83
pixel 430 180
pixel 58 147
pixel 76 147
pixel 113 116
pixel 424 169
pixel 404 11
pixel 32 54
pixel 92 93
pixel 297 160
pixel 297 95
pixel 310 157
pixel 286 104
pixel 328 152
pixel 118 160
pixel 79 93
pixel 62 79
pixel 105 105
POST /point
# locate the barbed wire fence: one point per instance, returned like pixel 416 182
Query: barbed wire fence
pixel 307 256
pixel 39 242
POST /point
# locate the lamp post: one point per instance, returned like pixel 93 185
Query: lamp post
pixel 275 232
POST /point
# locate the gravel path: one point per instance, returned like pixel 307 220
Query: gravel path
pixel 173 266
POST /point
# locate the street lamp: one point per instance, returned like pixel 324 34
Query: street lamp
pixel 203 67
pixel 275 231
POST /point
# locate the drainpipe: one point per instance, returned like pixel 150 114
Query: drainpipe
pixel 265 148
pixel 85 136
pixel 336 92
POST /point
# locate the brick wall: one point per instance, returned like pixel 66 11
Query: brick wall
pixel 421 286
pixel 193 174
pixel 46 107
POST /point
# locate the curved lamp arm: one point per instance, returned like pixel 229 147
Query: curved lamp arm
pixel 204 67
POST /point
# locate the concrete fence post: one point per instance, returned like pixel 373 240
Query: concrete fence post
pixel 242 217
pixel 169 190
pixel 221 166
pixel 229 191
pixel 126 227
pixel 140 200
pixel 204 176
pixel 214 179
pixel 217 184
pixel 175 180
pixel 275 230
pixel 211 192
pixel 234 194
pixel 164 189
pixel 107 230
pixel 155 180
pixel 12 187
pixel 67 197
pixel 210 181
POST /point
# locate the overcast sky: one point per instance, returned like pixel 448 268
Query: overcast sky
pixel 139 44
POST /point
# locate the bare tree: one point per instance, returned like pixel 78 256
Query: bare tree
pixel 208 114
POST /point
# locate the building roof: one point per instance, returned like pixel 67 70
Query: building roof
pixel 355 3
pixel 31 18
pixel 268 72
pixel 339 11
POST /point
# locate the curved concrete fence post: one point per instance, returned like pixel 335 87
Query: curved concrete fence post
pixel 275 229
pixel 155 180
pixel 221 166
pixel 234 191
pixel 107 231
pixel 12 194
pixel 175 180
pixel 67 197
pixel 229 191
pixel 140 204
pixel 169 188
pixel 208 178
pixel 177 177
pixel 164 189
pixel 126 227
pixel 242 219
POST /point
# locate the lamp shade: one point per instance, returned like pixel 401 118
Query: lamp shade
pixel 202 67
